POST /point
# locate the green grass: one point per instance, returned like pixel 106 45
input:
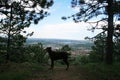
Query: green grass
pixel 13 76
pixel 101 71
pixel 89 71
pixel 18 71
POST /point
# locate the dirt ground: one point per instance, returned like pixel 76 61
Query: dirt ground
pixel 59 73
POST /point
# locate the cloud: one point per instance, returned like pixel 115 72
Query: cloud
pixel 69 30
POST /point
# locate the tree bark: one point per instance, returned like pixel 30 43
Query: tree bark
pixel 9 36
pixel 109 41
pixel 8 47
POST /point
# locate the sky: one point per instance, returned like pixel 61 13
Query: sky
pixel 53 27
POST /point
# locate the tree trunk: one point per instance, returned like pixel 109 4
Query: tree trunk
pixel 8 40
pixel 8 47
pixel 109 43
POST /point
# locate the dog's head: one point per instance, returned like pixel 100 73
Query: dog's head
pixel 48 49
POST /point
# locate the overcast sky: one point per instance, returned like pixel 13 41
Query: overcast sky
pixel 54 27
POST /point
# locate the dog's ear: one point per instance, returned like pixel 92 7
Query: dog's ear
pixel 48 48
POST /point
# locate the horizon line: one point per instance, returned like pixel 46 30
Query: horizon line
pixel 57 39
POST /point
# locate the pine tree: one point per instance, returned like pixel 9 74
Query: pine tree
pixel 105 11
pixel 19 14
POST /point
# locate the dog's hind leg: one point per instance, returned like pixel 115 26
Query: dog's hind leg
pixel 67 63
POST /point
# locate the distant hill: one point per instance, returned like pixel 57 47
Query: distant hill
pixel 75 44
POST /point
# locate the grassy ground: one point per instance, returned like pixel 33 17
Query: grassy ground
pixel 30 71
pixel 101 71
pixel 59 73
pixel 17 71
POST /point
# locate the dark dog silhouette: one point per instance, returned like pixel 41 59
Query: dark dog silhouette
pixel 54 55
